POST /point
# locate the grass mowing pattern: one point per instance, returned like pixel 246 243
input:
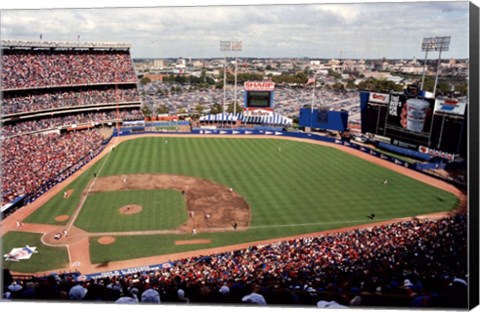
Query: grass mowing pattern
pixel 291 187
pixel 46 258
pixel 161 210
pixel 304 183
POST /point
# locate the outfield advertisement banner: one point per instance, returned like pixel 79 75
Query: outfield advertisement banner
pixel 125 272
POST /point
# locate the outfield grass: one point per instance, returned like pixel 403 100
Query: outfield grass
pixel 161 210
pixel 292 188
pixel 46 258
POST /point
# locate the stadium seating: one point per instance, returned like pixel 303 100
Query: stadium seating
pixel 412 263
pixel 31 163
pixel 14 103
pixel 59 87
pixel 46 68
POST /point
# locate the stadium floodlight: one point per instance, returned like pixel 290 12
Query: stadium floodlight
pixel 236 47
pixel 428 45
pixel 225 46
pixel 439 44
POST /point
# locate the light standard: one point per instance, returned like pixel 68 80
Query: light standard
pixel 428 44
pixel 236 47
pixel 224 46
pixel 435 44
pixel 442 44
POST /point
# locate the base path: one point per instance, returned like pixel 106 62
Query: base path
pixel 77 241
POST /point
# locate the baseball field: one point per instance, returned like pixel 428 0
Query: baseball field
pixel 154 196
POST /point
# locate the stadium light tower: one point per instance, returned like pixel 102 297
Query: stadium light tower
pixel 236 47
pixel 225 46
pixel 428 45
pixel 442 44
pixel 435 44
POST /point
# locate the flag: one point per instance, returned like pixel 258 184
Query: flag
pixel 40 36
pixel 310 81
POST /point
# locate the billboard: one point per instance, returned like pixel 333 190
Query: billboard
pixel 450 106
pixel 415 122
pixel 411 115
pixel 259 86
pixel 379 98
pixel 375 113
pixel 409 119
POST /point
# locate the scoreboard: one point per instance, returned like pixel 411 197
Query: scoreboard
pixel 259 95
pixel 259 99
pixel 434 126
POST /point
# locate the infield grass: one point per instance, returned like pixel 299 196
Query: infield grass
pixel 292 188
pixel 161 210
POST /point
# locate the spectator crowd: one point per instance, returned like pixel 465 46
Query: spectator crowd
pixel 35 101
pixel 419 263
pixel 41 68
pixel 44 81
pixel 23 127
pixel 33 162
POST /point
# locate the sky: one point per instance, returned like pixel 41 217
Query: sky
pixel 194 29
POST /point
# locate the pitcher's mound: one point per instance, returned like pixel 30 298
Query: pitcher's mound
pixel 105 240
pixel 61 218
pixel 130 209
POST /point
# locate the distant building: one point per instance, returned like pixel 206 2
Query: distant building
pixel 198 64
pixel 154 77
pixel 158 64
pixel 333 62
pixel 417 70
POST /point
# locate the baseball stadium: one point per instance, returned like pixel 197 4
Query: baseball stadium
pixel 101 205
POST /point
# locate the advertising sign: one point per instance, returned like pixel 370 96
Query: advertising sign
pixel 379 98
pixel 412 115
pixel 450 106
pixel 259 86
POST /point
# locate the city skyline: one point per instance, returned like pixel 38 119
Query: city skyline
pixel 364 30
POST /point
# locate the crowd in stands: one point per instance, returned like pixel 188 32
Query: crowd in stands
pixel 47 100
pixel 29 69
pixel 68 120
pixel 419 263
pixel 32 162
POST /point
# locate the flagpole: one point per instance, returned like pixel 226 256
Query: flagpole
pixel 313 100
